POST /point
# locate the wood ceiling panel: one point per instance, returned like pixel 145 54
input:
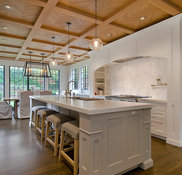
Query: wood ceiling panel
pixel 42 35
pixel 178 3
pixel 9 49
pixel 105 7
pixel 13 29
pixel 77 52
pixel 7 40
pixel 84 43
pixel 58 20
pixel 20 9
pixel 151 13
pixel 42 46
pixel 108 33
pixel 8 55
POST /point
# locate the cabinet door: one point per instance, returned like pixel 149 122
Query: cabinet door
pixel 123 141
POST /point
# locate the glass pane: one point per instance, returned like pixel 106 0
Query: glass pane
pixel 84 78
pixel 54 82
pixel 17 81
pixel 1 82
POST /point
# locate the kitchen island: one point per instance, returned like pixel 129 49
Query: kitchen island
pixel 114 136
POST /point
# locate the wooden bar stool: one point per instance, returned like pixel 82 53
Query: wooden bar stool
pixel 34 115
pixel 41 118
pixel 71 129
pixel 53 128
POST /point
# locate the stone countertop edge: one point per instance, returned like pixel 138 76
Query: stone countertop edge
pixel 136 106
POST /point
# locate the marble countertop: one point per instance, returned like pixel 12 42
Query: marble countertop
pixel 154 100
pixel 91 107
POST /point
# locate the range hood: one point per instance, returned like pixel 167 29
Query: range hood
pixel 130 58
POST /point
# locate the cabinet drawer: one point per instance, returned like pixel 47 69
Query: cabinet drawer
pixel 158 126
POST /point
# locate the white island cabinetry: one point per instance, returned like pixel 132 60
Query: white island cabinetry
pixel 114 135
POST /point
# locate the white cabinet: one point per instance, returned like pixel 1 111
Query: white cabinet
pixel 158 117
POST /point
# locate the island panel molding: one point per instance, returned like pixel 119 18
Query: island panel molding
pixel 111 141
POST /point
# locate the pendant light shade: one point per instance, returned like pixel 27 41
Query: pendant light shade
pixel 96 43
pixel 68 55
pixel 53 61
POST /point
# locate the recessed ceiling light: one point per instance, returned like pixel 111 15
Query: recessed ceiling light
pixel 142 18
pixel 5 28
pixel 6 6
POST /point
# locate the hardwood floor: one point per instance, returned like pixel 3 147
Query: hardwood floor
pixel 22 153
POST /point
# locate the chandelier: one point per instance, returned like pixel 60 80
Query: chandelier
pixel 36 69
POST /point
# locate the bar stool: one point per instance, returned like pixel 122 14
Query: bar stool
pixel 72 129
pixel 41 118
pixel 54 123
pixel 34 115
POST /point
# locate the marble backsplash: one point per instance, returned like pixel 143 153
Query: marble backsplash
pixel 135 77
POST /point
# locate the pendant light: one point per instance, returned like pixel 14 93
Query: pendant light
pixel 96 43
pixel 69 56
pixel 53 61
pixel 42 70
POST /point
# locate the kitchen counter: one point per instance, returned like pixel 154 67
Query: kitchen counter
pixel 91 107
pixel 114 136
pixel 153 100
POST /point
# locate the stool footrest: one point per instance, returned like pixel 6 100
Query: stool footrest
pixel 67 158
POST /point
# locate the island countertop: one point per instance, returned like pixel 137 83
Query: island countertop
pixel 91 107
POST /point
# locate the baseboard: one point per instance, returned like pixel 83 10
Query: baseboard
pixel 174 142
pixel 158 136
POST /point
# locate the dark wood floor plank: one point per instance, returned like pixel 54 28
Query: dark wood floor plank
pixel 22 153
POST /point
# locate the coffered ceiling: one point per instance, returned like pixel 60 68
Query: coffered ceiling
pixel 30 24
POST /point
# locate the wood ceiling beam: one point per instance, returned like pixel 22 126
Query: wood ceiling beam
pixel 79 48
pixel 8 45
pixel 107 21
pixel 39 50
pixel 60 8
pixel 15 21
pixel 29 25
pixel 122 11
pixel 6 58
pixel 166 6
pixel 34 40
pixel 12 36
pixel 2 51
pixel 58 31
pixel 44 13
pixel 47 42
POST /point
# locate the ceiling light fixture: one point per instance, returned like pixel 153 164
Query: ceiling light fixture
pixel 96 43
pixel 69 56
pixel 5 28
pixel 142 18
pixel 53 61
pixel 6 6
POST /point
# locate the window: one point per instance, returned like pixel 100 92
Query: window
pixel 84 78
pixel 17 81
pixel 54 82
pixel 2 82
pixel 36 83
pixel 74 76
